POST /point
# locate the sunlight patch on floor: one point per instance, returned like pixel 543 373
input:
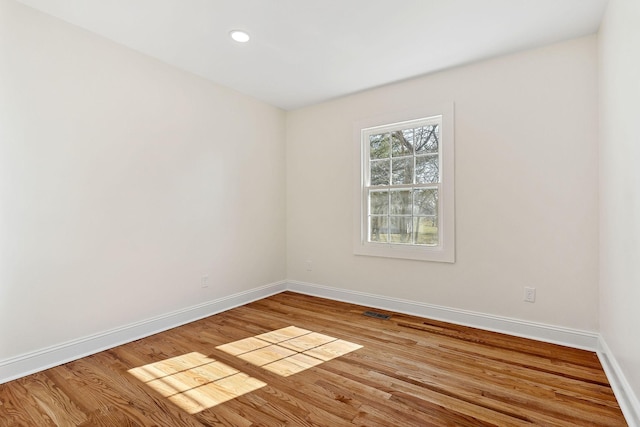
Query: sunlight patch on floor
pixel 195 382
pixel 289 350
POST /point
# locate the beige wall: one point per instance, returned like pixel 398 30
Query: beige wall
pixel 526 189
pixel 122 182
pixel 619 68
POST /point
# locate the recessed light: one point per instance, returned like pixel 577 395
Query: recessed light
pixel 239 36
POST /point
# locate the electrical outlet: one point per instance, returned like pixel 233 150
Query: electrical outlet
pixel 308 265
pixel 204 281
pixel 529 294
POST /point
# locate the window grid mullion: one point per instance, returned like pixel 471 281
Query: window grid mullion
pixel 390 159
pixel 413 180
pixel 428 185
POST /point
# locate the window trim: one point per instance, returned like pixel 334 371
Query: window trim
pixel 445 250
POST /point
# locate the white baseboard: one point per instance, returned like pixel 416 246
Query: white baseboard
pixel 627 399
pixel 586 340
pixel 521 328
pixel 45 358
pixel 553 334
pixel 49 357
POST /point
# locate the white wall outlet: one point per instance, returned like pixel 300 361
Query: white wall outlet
pixel 529 294
pixel 204 281
pixel 308 265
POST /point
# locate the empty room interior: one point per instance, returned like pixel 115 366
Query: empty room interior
pixel 372 212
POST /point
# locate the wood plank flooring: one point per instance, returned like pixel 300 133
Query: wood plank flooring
pixel 297 360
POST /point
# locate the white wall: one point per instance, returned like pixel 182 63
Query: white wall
pixel 619 68
pixel 122 182
pixel 526 189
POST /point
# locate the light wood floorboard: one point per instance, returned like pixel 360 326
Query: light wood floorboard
pixel 297 360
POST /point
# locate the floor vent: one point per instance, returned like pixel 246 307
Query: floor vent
pixel 376 315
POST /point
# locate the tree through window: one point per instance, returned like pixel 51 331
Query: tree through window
pixel 402 182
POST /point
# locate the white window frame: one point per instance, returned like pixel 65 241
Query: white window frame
pixel 445 250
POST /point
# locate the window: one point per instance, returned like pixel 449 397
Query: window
pixel 405 195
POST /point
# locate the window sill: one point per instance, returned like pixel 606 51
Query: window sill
pixel 418 253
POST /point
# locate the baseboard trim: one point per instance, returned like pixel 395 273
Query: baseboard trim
pixel 538 331
pixel 627 399
pixel 586 340
pixel 49 357
pixel 36 361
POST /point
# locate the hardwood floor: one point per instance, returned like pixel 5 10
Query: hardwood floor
pixel 297 360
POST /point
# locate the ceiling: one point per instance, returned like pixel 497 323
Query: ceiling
pixel 307 51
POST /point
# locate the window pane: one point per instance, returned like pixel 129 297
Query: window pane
pixel 425 201
pixel 379 146
pixel 427 139
pixel 408 141
pixel 379 202
pixel 400 229
pixel 402 171
pixel 380 172
pixel 425 230
pixel 378 226
pixel 401 202
pixel 427 169
pixel 400 146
